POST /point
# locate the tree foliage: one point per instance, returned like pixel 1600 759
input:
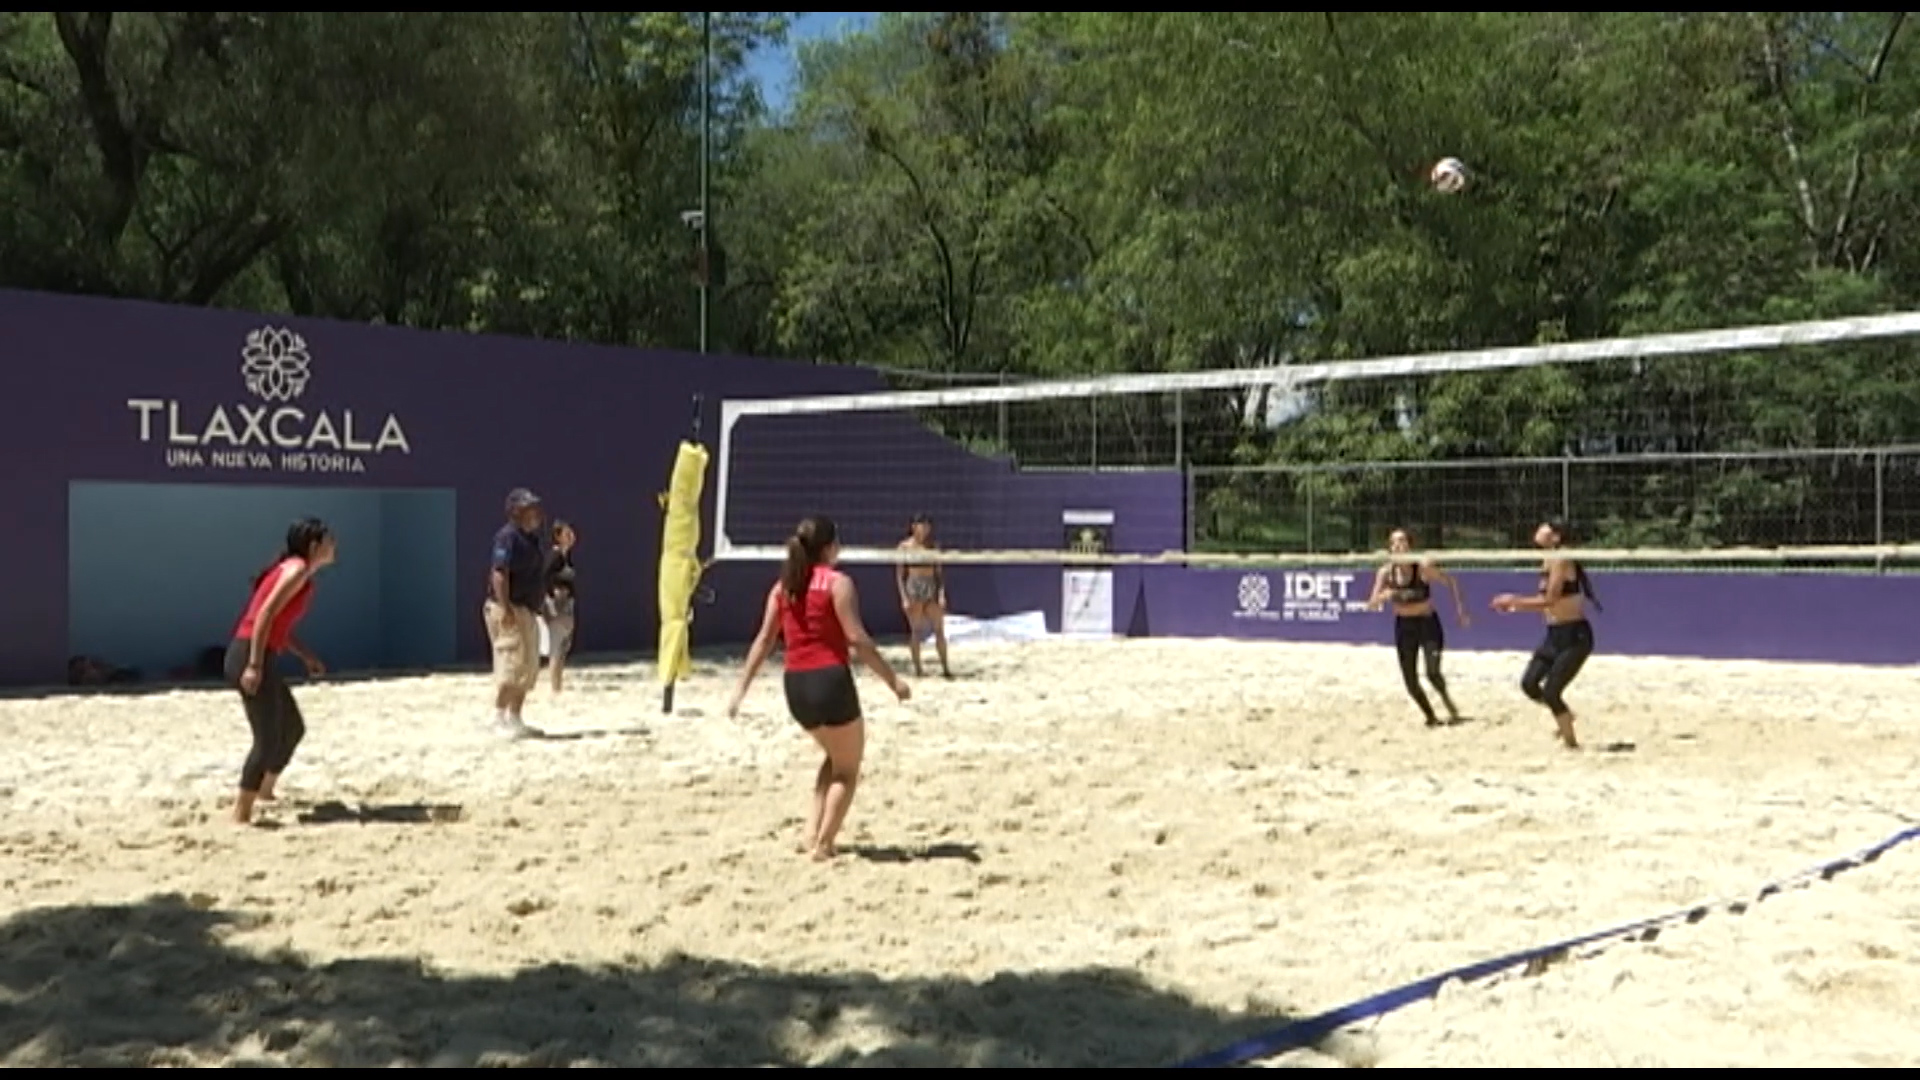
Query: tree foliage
pixel 1034 195
pixel 509 171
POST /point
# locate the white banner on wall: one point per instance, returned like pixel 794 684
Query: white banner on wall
pixel 1086 593
pixel 1300 596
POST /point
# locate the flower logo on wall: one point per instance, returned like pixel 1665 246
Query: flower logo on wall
pixel 276 364
pixel 1255 593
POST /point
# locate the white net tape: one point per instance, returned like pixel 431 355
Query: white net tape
pixel 1488 557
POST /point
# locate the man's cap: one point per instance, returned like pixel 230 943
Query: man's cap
pixel 519 499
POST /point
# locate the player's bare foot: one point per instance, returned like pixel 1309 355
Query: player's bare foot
pixel 825 854
pixel 1564 724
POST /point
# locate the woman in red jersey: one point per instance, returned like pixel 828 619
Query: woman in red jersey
pixel 815 609
pixel 280 597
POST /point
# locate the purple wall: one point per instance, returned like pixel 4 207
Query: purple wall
pixel 594 430
pixel 113 390
pixel 1821 618
pixel 870 471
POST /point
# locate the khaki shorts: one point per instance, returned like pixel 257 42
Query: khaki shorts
pixel 515 634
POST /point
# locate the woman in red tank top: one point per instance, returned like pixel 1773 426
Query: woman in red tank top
pixel 816 611
pixel 279 601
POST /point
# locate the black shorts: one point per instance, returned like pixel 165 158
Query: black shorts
pixel 1419 631
pixel 823 697
pixel 1566 639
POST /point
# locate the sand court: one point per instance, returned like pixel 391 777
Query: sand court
pixel 1074 854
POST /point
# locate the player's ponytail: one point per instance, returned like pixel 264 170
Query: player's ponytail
pixel 805 549
pixel 1586 587
pixel 797 568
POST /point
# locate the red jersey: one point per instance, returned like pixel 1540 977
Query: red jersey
pixel 290 613
pixel 815 639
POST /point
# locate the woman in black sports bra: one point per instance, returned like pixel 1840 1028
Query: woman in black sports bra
pixel 1416 625
pixel 1565 592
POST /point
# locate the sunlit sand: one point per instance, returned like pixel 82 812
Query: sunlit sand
pixel 1073 854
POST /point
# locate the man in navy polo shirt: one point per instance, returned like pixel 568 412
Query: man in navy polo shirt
pixel 516 587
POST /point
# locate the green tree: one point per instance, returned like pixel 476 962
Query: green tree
pixel 519 172
pixel 923 214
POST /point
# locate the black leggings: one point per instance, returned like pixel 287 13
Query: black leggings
pixel 271 713
pixel 1558 659
pixel 1415 636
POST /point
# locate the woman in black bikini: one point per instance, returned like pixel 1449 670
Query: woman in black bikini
pixel 1416 625
pixel 1564 594
pixel 559 609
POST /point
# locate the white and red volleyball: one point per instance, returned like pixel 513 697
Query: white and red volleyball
pixel 1448 175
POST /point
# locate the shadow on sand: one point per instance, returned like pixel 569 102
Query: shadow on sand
pixel 607 668
pixel 152 985
pixel 338 813
pixel 598 670
pixel 893 853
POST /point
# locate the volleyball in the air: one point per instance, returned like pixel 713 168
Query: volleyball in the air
pixel 1448 175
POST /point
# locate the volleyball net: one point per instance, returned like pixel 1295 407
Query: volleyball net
pixel 1791 444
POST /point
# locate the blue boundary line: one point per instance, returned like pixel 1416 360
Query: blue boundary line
pixel 1313 1029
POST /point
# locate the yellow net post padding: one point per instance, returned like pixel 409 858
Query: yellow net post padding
pixel 680 566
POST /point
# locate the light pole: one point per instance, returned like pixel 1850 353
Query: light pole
pixel 706 151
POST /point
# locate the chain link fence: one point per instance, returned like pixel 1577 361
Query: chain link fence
pixel 1629 489
pixel 1854 496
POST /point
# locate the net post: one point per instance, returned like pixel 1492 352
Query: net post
pixel 666 692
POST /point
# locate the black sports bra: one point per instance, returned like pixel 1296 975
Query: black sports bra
pixel 1569 587
pixel 1408 586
